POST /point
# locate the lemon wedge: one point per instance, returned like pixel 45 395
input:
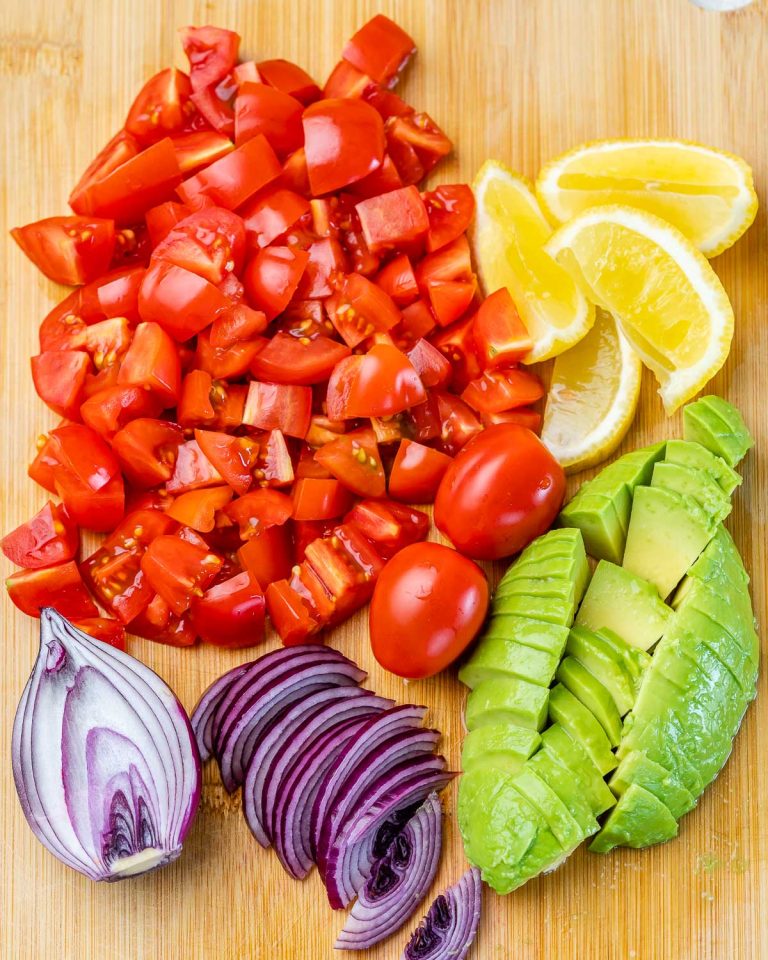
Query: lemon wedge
pixel 667 299
pixel 509 234
pixel 592 396
pixel 707 194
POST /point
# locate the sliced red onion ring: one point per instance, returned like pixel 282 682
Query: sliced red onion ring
pixel 398 881
pixel 447 931
pixel 208 704
pixel 104 758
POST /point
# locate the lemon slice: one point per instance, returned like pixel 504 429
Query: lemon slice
pixel 667 299
pixel 509 233
pixel 592 396
pixel 707 194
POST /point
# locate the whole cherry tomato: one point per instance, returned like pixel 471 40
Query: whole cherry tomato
pixel 427 607
pixel 503 490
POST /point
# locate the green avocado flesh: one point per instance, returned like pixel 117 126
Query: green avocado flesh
pixel 578 680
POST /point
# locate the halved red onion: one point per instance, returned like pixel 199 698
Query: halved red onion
pixel 398 880
pixel 447 931
pixel 104 758
pixel 208 704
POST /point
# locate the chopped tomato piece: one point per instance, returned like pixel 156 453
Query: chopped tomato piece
pixel 268 554
pixel 156 622
pixel 50 537
pixel 103 628
pixel 393 219
pixel 147 450
pixel 208 242
pixel 198 508
pixel 259 509
pixel 225 363
pixel 121 148
pixel 417 321
pixel 343 142
pixel 292 360
pixel 316 499
pixel 417 472
pixel 384 179
pixel 87 477
pixel 217 105
pixel 458 423
pixel 419 132
pixel 457 344
pixel 42 469
pixel 362 309
pixel 347 566
pixel 449 299
pixel 290 78
pixel 182 302
pixel 152 362
pixel 322 431
pixel 163 218
pixel 450 208
pixel 346 81
pixel 353 458
pixel 386 102
pixel 230 181
pixel 195 407
pixel 61 587
pixel 233 457
pixel 500 335
pixel 200 148
pixel 271 212
pixel 277 406
pixel 398 281
pixel 392 429
pixel 294 175
pixel 161 108
pixel 451 262
pixel 522 415
pixel 290 614
pixel 110 409
pixel 59 377
pixel 108 340
pixel 178 570
pixel 388 526
pixel 379 384
pixel 327 263
pixel 272 276
pixel 192 470
pixel 498 390
pixel 238 323
pixel 432 366
pixel 69 250
pixel 230 614
pixel 262 109
pixel 380 48
pixel 212 52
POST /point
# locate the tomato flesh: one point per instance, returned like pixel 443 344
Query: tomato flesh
pixel 502 389
pixel 330 127
pixel 500 335
pixel 69 250
pixel 60 587
pixel 393 219
pixel 278 406
pixel 59 377
pixel 417 472
pixel 178 570
pixel 49 538
pixel 381 383
pixel 379 49
pixel 147 450
pixel 316 499
pixel 231 180
pixel 230 614
pixel 353 458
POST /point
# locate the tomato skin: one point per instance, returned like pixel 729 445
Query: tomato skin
pixel 315 499
pixel 353 458
pixel 230 614
pixel 103 628
pixel 362 309
pixel 225 363
pixel 380 48
pixel 212 52
pixel 208 242
pixel 346 566
pixel 272 276
pixel 417 322
pixel 522 415
pixel 271 212
pixel 258 510
pixel 450 208
pixel 502 491
pixel 87 477
pixel 381 383
pixel 59 377
pixel 231 180
pixel 60 587
pixel 290 78
pixel 277 406
pixel 290 614
pixel 393 219
pixel 500 335
pixel 48 538
pixel 197 508
pixel 417 472
pixel 450 299
pixel 68 250
pixel 398 281
pixel 233 457
pixel 502 389
pixel 180 301
pixel 121 148
pixel 152 362
pixel 388 526
pixel 417 133
pixel 432 366
pixel 162 107
pixel 457 344
pixel 147 450
pixel 343 142
pixel 268 555
pixel 110 409
pixel 286 359
pixel 238 323
pixel 177 569
pixel 199 149
pixel 428 605
pixel 261 109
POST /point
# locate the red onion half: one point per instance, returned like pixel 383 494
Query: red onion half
pixel 104 759
pixel 447 931
pixel 398 881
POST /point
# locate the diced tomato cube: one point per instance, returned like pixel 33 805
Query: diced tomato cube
pixel 230 181
pixel 277 406
pixel 500 335
pixel 290 614
pixel 59 377
pixel 268 555
pixel 271 277
pixel 398 281
pixel 48 538
pixel 380 48
pixel 258 510
pixel 60 587
pixel 264 110
pixel 152 361
pixel 179 570
pixel 198 508
pixel 387 525
pixel 315 499
pixel 393 219
pixel 503 389
pixel 290 78
pixel 231 613
pixel 192 470
pixel 450 208
pixel 343 142
pixel 416 472
pixel 353 458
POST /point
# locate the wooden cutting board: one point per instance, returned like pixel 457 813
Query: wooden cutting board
pixel 520 80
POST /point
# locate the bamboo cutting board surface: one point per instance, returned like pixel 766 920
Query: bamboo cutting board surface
pixel 520 80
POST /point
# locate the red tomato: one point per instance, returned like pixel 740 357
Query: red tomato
pixel 147 451
pixel 108 410
pixel 451 262
pixel 212 53
pixel 87 477
pixel 346 566
pixel 294 175
pixel 379 384
pixel 417 321
pixel 380 48
pixel 386 102
pixel 450 208
pixel 50 537
pixel 192 470
pixel 259 509
pixel 287 359
pixel 500 335
pixel 261 109
pixel 200 148
pixel 178 570
pixel 233 457
pixel 271 212
pixel 156 622
pixel 343 142
pixel 450 299
pixel 388 526
pixel 277 406
pixel 428 606
pixel 384 179
pixel 238 323
pixel 209 242
pixel 502 491
pixel 272 276
pixel 268 555
pixel 103 628
pixel 60 587
pixel 59 377
pixel 120 149
pixel 198 508
pixel 353 458
pixel 498 390
pixel 398 281
pixel 290 614
pixel 522 415
pixel 195 407
pixel 433 367
pixel 457 422
pixel 152 362
pixel 230 181
pixel 346 81
pixel 393 219
pixel 286 76
pixel 418 133
pixel 161 108
pixel 163 218
pixel 315 499
pixel 305 531
pixel 327 262
pixel 69 250
pixel 362 309
pixel 227 363
pixel 417 472
pixel 457 344
pixel 180 301
pixel 230 614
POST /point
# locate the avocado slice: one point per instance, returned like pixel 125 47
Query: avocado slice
pixel 552 548
pixel 625 604
pixel 507 699
pixel 550 609
pixel 556 587
pixel 562 781
pixel 550 637
pixel 639 819
pixel 692 482
pixel 598 657
pixel 563 567
pixel 497 656
pixel 667 532
pixel 555 813
pixel 572 756
pixel 502 745
pixel 718 426
pixel 659 737
pixel 687 453
pixel 634 659
pixel 721 561
pixel 702 604
pixel 581 724
pixel 637 768
pixel 588 689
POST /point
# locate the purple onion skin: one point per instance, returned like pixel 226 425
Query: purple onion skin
pixel 450 926
pixel 105 761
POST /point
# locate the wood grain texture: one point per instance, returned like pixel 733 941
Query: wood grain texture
pixel 520 80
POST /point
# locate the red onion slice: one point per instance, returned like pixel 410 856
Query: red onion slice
pixel 208 704
pixel 447 931
pixel 398 881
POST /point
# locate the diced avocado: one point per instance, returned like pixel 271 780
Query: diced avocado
pixel 536 587
pixel 690 454
pixel 570 754
pixel 718 426
pixel 667 532
pixel 550 637
pixel 624 603
pixel 635 660
pixel 588 689
pixel 571 713
pixel 549 609
pixel 507 699
pixel 638 768
pixel 562 781
pixel 691 482
pixel 639 819
pixel 502 745
pixel 598 657
pixel 552 809
pixel 496 656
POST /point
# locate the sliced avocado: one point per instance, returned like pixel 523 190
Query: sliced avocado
pixel 502 745
pixel 554 812
pixel 507 699
pixel 638 768
pixel 496 656
pixel 562 781
pixel 598 657
pixel 571 713
pixel 659 737
pixel 625 604
pixel 564 567
pixel 550 637
pixel 639 819
pixel 702 604
pixel 549 609
pixel 635 660
pixel 667 532
pixel 588 689
pixel 692 482
pixel 718 426
pixel 537 587
pixel 570 754
pixel 553 548
pixel 690 454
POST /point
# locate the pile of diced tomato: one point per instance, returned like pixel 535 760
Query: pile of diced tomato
pixel 275 342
